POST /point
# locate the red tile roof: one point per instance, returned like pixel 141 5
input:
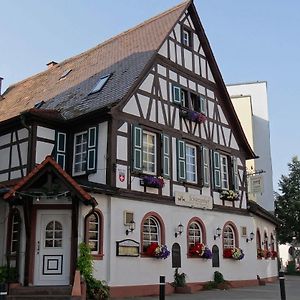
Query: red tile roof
pixel 49 160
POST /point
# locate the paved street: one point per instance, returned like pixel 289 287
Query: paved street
pixel 270 291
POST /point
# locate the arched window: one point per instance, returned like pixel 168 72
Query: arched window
pixel 152 230
pixel 53 235
pixel 230 236
pixel 272 243
pixel 94 233
pixel 195 232
pixel 265 241
pixel 14 229
pixel 258 240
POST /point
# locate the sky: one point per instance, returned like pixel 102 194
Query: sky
pixel 257 40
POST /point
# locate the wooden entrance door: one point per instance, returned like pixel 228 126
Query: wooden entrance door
pixel 52 248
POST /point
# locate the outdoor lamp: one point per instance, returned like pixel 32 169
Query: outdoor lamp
pixel 131 227
pixel 218 233
pixel 179 230
pixel 251 237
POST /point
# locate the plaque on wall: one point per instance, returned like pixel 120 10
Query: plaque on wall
pixel 128 247
pixel 191 200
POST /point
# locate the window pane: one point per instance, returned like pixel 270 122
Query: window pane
pixel 191 163
pixel 150 225
pixel 149 152
pixel 80 154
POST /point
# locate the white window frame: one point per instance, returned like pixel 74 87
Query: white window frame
pixel 97 231
pixel 190 164
pixel 203 105
pixel 74 153
pixel 224 172
pixel 186 37
pixel 147 242
pixel 146 171
pixel 193 236
pixel 228 230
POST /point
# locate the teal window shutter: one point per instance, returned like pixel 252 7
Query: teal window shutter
pixel 177 97
pixel 235 176
pixel 60 149
pixel 181 161
pixel 165 155
pixel 205 165
pixel 217 169
pixel 137 136
pixel 92 150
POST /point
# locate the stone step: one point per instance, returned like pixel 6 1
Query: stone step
pixel 44 297
pixel 41 290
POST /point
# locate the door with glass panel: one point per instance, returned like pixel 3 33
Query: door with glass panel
pixel 52 247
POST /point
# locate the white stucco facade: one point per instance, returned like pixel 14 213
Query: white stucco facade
pixel 251 104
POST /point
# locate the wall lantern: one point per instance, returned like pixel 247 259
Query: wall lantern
pixel 218 233
pixel 131 227
pixel 179 230
pixel 251 237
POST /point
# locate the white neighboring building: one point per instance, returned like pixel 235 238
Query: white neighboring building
pixel 250 101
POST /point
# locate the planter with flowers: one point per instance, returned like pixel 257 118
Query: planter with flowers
pixel 153 181
pixel 274 254
pixel 234 253
pixel 200 250
pixel 157 251
pixel 229 195
pixel 260 253
pixel 267 254
pixel 193 116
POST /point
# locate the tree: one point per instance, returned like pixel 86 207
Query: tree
pixel 287 203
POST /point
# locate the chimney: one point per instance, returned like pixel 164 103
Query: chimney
pixel 0 85
pixel 51 64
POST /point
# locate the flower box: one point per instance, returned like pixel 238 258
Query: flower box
pixel 229 195
pixel 260 253
pixel 233 253
pixel 193 116
pixel 153 181
pixel 157 251
pixel 267 254
pixel 200 250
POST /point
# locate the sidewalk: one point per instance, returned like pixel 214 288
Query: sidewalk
pixel 270 291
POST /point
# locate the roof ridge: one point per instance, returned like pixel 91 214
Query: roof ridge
pixel 86 52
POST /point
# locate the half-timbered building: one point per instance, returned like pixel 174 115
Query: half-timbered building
pixel 132 144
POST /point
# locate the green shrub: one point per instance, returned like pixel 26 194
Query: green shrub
pixel 179 279
pixel 218 277
pixel 8 275
pixel 96 289
pixel 218 283
pixel 291 267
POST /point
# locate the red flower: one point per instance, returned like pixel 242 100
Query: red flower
pixel 151 249
pixel 197 249
pixel 274 253
pixel 227 253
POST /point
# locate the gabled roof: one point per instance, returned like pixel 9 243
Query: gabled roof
pixel 124 56
pixel 83 195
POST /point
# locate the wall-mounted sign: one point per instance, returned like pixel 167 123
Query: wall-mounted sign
pixel 128 248
pixel 256 184
pixel 192 200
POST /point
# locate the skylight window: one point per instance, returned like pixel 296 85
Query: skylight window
pixel 100 84
pixel 65 74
